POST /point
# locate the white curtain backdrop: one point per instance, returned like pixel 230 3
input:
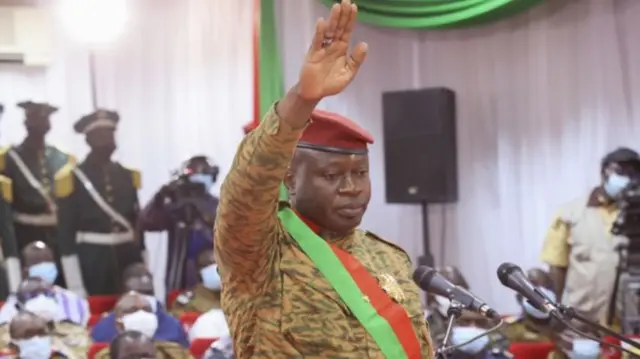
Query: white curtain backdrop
pixel 180 77
pixel 541 98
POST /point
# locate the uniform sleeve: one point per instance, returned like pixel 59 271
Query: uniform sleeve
pixel 67 199
pixel 246 228
pixel 555 250
pixel 8 236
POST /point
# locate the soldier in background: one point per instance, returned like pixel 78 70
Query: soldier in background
pixel 98 208
pixel 10 272
pixel 32 166
pixel 186 209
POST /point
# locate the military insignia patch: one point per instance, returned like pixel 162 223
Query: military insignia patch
pixel 390 285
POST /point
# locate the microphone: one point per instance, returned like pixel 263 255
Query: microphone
pixel 429 280
pixel 512 276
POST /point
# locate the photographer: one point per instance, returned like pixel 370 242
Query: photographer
pixel 186 210
pixel 579 247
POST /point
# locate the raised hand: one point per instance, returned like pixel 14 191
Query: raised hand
pixel 328 67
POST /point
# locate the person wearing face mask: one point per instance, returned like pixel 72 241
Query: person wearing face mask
pixel 36 296
pixel 534 325
pixel 437 306
pixel 38 261
pixel 579 248
pixel 31 338
pixel 133 312
pixel 162 327
pixel 205 296
pixel 98 210
pixel 32 167
pixel 187 216
pixel 131 344
pixel 469 325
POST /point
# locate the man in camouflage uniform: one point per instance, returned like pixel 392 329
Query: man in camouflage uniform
pixel 98 208
pixel 32 166
pixel 27 329
pixel 206 294
pixel 280 302
pixel 36 296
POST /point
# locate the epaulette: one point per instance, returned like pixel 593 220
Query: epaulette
pixel 63 182
pixel 3 158
pixel 136 178
pixel 185 297
pixel 378 238
pixel 7 190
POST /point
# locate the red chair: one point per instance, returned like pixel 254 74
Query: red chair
pixel 94 319
pixel 187 319
pixel 200 346
pixel 95 348
pixel 172 296
pixel 613 353
pixel 531 350
pixel 102 303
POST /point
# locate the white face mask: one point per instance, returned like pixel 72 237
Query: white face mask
pixel 585 349
pixel 43 306
pixel 34 348
pixel 210 277
pixel 141 321
pixel 460 335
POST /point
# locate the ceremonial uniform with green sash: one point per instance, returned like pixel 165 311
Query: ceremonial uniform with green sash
pixel 9 280
pixel 287 292
pixel 98 209
pixel 32 167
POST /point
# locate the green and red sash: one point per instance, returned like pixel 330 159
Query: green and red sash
pixel 385 320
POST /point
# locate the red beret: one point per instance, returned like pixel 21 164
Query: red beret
pixel 331 132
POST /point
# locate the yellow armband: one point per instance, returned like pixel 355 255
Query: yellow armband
pixel 7 189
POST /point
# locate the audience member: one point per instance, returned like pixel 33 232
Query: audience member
pixel 32 338
pixel 36 296
pixel 205 296
pixel 469 325
pixel 38 261
pixel 211 324
pixel 129 345
pixel 134 311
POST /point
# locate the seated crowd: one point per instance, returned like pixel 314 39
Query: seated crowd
pixel 43 320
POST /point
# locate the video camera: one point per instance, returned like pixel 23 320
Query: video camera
pixel 185 200
pixel 627 223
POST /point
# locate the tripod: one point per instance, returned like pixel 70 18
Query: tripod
pixel 627 288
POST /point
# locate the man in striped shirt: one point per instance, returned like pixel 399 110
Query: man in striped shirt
pixel 38 261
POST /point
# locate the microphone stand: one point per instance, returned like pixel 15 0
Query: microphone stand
pixel 453 312
pixel 569 313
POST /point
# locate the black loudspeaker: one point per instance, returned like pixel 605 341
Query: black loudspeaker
pixel 420 146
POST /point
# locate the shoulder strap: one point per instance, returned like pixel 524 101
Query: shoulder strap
pixel 391 244
pixel 31 179
pixel 104 205
pixel 7 188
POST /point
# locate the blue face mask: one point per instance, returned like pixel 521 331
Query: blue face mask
pixel 533 311
pixel 585 349
pixel 45 270
pixel 210 277
pixel 205 179
pixel 615 184
pixel 34 348
pixel 460 335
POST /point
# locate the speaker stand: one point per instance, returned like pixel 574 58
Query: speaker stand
pixel 427 258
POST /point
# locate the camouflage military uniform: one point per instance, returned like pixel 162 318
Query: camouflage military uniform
pixel 34 215
pixel 8 240
pixel 104 247
pixel 276 302
pixel 69 339
pixel 165 350
pixel 198 300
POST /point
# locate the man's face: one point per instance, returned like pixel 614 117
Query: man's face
pixel 473 319
pixel 332 190
pixel 37 255
pixel 102 139
pixel 37 125
pixel 128 304
pixel 136 349
pixel 27 326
